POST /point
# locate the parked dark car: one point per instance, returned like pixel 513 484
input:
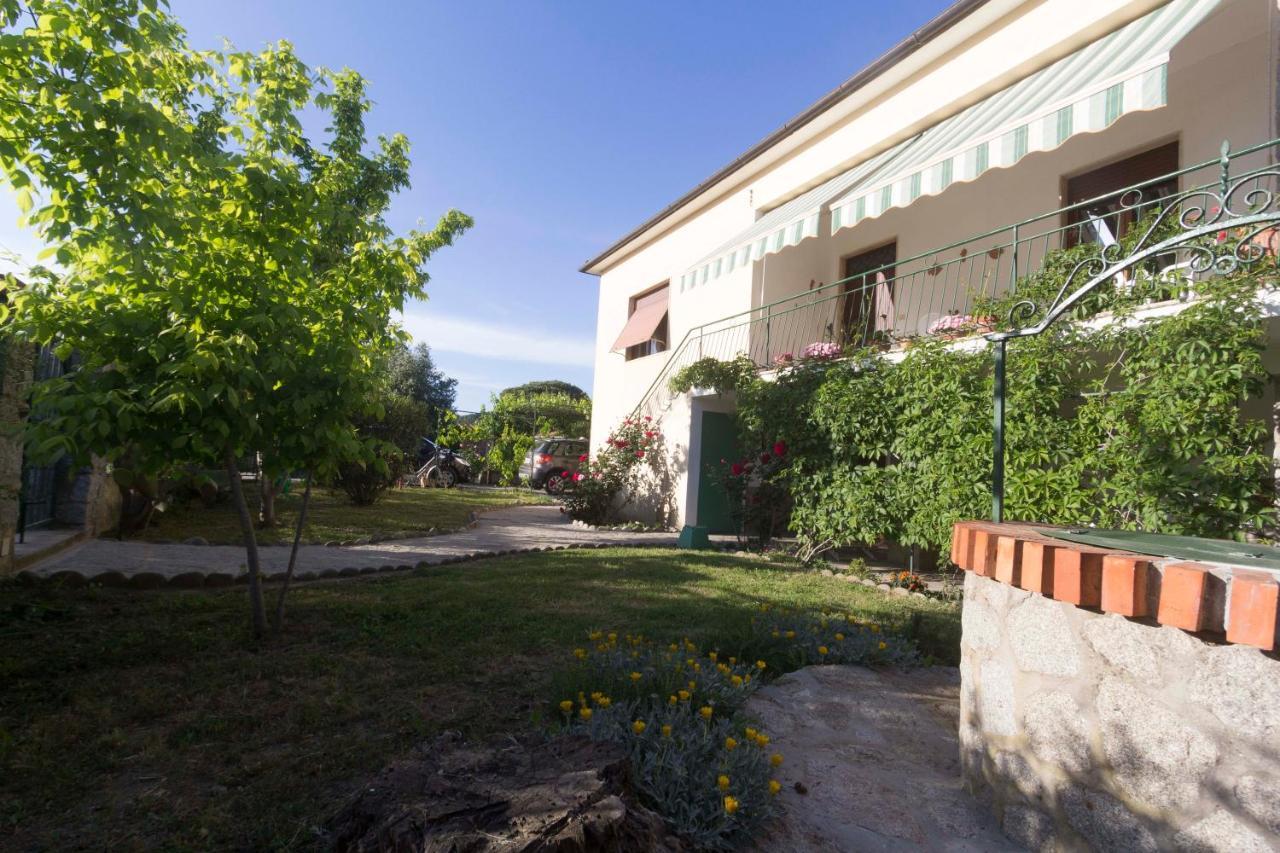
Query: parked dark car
pixel 441 466
pixel 552 461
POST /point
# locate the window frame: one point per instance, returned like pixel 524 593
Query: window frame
pixel 660 341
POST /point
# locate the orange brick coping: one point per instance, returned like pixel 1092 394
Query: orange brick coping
pixel 1243 604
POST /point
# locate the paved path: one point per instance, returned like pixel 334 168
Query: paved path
pixel 505 530
pixel 876 755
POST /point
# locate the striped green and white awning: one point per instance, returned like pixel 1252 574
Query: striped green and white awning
pixel 1085 92
pixel 785 225
pixel 1123 72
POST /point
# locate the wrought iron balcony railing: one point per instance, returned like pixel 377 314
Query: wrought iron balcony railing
pixel 938 293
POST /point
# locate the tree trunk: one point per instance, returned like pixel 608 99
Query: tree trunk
pixel 256 606
pixel 267 501
pixel 278 616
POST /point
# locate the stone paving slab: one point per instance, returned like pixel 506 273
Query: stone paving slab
pixel 877 756
pixel 500 531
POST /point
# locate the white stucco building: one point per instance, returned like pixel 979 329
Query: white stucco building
pixel 996 112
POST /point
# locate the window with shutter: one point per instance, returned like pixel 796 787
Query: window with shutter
pixel 1111 215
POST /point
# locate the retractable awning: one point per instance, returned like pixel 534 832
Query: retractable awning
pixel 785 225
pixel 1085 92
pixel 644 320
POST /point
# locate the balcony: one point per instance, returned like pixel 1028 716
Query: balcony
pixel 945 293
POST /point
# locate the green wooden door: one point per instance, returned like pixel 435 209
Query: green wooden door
pixel 719 441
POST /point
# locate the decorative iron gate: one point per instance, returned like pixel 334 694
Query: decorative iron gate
pixel 39 482
pixel 1217 230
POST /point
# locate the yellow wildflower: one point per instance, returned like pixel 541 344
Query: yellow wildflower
pixel 605 702
pixel 671 700
pixel 774 787
pixel 705 711
pixel 594 636
pixel 737 681
pixel 684 695
pixel 822 650
pixel 776 634
pixel 730 805
pixel 580 654
pixel 585 713
pixel 693 685
pixel 746 678
pixel 839 637
pixel 791 635
pixel 723 782
pixel 638 727
pixel 883 645
pixel 776 759
pixel 566 705
pixel 763 740
pixel 730 744
pixel 635 676
pixel 712 655
pixel 613 637
pixel 875 629
pixel 760 664
pixel 666 731
pixel 697 667
pixel 751 733
pixel 673 647
pixel 732 661
pixel 689 662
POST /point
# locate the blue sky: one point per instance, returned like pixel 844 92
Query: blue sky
pixel 559 126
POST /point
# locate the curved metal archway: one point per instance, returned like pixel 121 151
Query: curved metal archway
pixel 1245 209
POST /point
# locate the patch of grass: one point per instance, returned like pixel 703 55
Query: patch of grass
pixel 132 720
pixel 332 516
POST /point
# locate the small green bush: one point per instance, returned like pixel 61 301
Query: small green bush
pixel 394 436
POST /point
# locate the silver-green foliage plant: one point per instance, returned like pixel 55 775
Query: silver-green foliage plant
pixel 677 709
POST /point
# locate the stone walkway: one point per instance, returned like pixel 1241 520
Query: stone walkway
pixel 528 528
pixel 876 755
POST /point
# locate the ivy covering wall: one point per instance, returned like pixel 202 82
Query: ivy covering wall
pixel 1126 423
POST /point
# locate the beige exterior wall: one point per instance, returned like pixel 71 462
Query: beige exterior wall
pixel 1220 86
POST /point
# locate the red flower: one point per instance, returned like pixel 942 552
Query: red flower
pixel 779 448
pixel 647 418
pixel 764 458
pixel 1222 236
pixel 582 458
pixel 649 434
pixel 639 454
pixel 736 469
pixel 622 442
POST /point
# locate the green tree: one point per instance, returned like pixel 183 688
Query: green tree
pixel 228 285
pixel 546 386
pixel 412 373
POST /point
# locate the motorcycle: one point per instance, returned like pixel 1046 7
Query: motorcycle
pixel 441 467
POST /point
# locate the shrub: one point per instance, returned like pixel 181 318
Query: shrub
pixel 759 495
pixel 604 485
pixel 677 709
pixel 394 435
pixel 723 376
pixel 1133 424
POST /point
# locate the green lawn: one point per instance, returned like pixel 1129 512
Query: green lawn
pixel 132 720
pixel 332 517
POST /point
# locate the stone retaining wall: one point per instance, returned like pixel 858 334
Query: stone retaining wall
pixel 1094 730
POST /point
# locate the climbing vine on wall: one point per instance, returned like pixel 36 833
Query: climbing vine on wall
pixel 1130 423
